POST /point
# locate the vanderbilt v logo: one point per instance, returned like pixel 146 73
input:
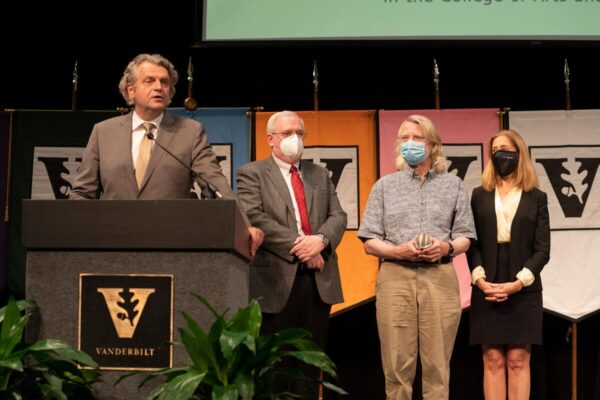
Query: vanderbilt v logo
pixel 125 306
pixel 461 164
pixel 571 179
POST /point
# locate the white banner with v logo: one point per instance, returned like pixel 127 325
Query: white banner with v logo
pixel 565 149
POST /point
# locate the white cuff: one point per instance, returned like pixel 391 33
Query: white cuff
pixel 526 277
pixel 477 273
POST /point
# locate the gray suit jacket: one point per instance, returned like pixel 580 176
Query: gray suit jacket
pixel 107 171
pixel 267 201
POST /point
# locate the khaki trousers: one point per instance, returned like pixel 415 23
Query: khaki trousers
pixel 418 312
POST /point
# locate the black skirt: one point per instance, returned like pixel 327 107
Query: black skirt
pixel 518 320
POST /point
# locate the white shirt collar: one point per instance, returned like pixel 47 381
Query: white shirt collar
pixel 285 166
pixel 136 121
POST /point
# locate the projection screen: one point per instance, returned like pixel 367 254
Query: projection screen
pixel 312 20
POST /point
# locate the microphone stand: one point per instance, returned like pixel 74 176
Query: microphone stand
pixel 195 175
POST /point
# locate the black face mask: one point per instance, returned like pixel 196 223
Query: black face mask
pixel 505 161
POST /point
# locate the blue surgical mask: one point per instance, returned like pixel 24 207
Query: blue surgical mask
pixel 413 152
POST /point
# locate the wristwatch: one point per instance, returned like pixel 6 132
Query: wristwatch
pixel 324 239
pixel 450 248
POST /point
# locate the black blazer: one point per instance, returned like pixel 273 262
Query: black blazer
pixel 529 235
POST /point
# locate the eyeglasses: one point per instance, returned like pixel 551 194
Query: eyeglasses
pixel 405 138
pixel 286 134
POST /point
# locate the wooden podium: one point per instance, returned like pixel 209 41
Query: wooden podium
pixel 91 267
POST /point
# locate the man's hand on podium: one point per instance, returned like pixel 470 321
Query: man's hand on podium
pixel 256 238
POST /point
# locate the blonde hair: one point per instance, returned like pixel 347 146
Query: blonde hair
pixel 526 178
pixel 430 132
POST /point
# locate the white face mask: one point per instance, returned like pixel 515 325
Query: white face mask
pixel 292 147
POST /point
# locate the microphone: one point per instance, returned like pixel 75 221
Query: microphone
pixel 214 191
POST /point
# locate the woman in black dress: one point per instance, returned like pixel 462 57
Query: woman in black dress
pixel 513 231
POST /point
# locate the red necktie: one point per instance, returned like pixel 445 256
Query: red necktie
pixel 300 200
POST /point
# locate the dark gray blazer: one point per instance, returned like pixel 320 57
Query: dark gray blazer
pixel 529 235
pixel 267 201
pixel 107 172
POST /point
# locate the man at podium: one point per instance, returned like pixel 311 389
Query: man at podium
pixel 150 154
pixel 295 273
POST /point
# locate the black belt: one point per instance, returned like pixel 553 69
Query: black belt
pixel 443 260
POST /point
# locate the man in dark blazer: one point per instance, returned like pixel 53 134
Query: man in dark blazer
pixel 112 169
pixel 295 273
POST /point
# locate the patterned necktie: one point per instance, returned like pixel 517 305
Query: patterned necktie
pixel 300 200
pixel 143 154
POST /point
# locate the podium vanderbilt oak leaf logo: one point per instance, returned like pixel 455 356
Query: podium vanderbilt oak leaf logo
pixel 126 306
pixel 571 179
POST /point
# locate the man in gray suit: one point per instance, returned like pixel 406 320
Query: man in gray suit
pixel 295 273
pixel 121 161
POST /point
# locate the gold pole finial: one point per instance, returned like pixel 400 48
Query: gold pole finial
pixel 190 103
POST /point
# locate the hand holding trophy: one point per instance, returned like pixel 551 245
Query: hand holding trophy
pixel 423 241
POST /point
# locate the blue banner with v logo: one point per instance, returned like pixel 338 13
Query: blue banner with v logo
pixel 228 131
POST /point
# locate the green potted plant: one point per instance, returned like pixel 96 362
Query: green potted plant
pixel 46 369
pixel 233 361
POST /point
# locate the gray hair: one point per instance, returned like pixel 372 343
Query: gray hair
pixel 273 119
pixel 130 75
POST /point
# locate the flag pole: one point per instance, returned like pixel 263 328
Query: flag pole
pixel 566 73
pixel 75 83
pixel 574 360
pixel 315 74
pixel 11 113
pixel 436 83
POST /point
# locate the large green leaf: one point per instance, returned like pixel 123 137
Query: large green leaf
pixel 169 373
pixel 183 386
pixel 287 336
pixel 64 351
pixel 304 345
pixel 224 393
pixel 334 388
pixel 12 363
pixel 199 350
pixel 53 388
pixel 316 358
pixel 22 305
pixel 245 386
pixel 11 333
pixel 209 307
pixel 46 369
pixel 229 342
pixel 247 319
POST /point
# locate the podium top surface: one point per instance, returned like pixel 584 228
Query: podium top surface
pixel 212 225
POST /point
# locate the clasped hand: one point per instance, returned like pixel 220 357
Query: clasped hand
pixel 498 292
pixel 409 251
pixel 308 250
